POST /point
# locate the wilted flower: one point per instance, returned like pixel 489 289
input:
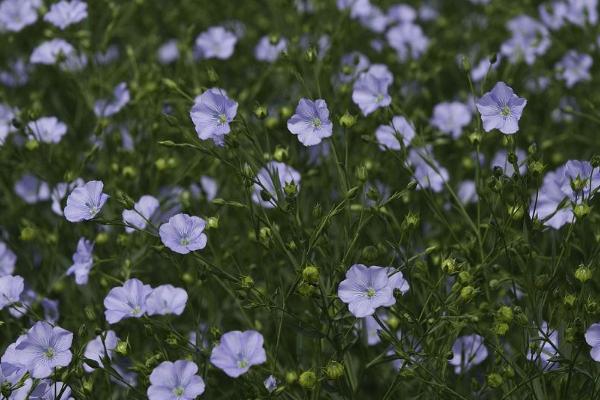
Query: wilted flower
pixel 127 301
pixel 85 202
pixel 468 351
pixel 49 52
pixel 138 218
pixel 238 351
pixel 108 107
pixel 17 14
pixel 501 109
pixel 47 129
pixel 166 299
pixel 83 261
pixel 283 173
pixel 44 349
pixel 311 122
pixel 65 13
pixel 269 51
pixel 592 337
pixel 574 67
pixel 183 233
pixel 388 135
pixel 11 288
pixel 99 348
pixel 175 381
pixel 8 260
pixel 216 42
pixel 212 112
pixel 451 117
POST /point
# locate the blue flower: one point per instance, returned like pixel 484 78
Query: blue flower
pixel 212 112
pixel 85 202
pixel 47 129
pixel 468 351
pixel 311 122
pixel 265 189
pixel 11 288
pixel 138 218
pixel 216 42
pixel 108 107
pixel 99 348
pixel 545 347
pixel 388 135
pixel 17 14
pixel 269 51
pixel 83 261
pixel 65 13
pixel 574 67
pixel 501 109
pixel 49 52
pixel 8 260
pixel 45 348
pixel 127 301
pixel 370 90
pixel 592 338
pixel 175 381
pixel 166 299
pixel 238 351
pixel 451 118
pixel 183 233
pixel 428 173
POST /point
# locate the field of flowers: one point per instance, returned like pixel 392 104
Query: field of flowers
pixel 299 199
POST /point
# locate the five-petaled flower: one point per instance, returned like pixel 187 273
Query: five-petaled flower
pixel 183 233
pixel 311 122
pixel 175 381
pixel 501 109
pixel 211 114
pixel 85 202
pixel 238 351
pixel 127 301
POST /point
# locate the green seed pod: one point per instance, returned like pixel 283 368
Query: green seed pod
pixel 334 370
pixel 308 380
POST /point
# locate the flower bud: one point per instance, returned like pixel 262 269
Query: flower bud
pixel 536 167
pixel 464 277
pixel 122 347
pixel 310 274
pixel 246 282
pixel 291 377
pixel 569 300
pixel 449 266
pixel 583 274
pixel 213 222
pixel 261 112
pixel 501 328
pixel 160 164
pixel 505 314
pixel 32 144
pixel 27 233
pixel 475 138
pixel 334 370
pixel 494 380
pixel 280 154
pixel 347 120
pixel 467 293
pixel 290 189
pixel 101 238
pixel 595 161
pixel 581 210
pixel 308 380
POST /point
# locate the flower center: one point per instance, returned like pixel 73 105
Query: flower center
pixel 316 122
pixel 222 119
pixel 505 111
pixel 379 98
pixel 178 391
pixel 49 353
pixel 136 310
pixel 371 293
pixel 184 241
pixel 243 363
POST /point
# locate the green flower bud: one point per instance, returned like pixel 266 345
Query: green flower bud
pixel 536 167
pixel 466 64
pixel 160 164
pixel 280 154
pixel 595 161
pixel 464 277
pixel 362 173
pixel 494 380
pixel 411 221
pixel 27 233
pixel 246 282
pixel 122 347
pixel 306 289
pixel 467 293
pixel 347 120
pixel 449 266
pixel 334 370
pixel 32 144
pixel 475 138
pixel 505 314
pixel 129 171
pixel 102 238
pixel 310 274
pixel 213 222
pixel 261 112
pixel 291 377
pixel 393 322
pixel 508 372
pixel 581 210
pixel 285 112
pixel 290 189
pixel 501 328
pixel 308 380
pixel 516 212
pixel 583 274
pixel 569 300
